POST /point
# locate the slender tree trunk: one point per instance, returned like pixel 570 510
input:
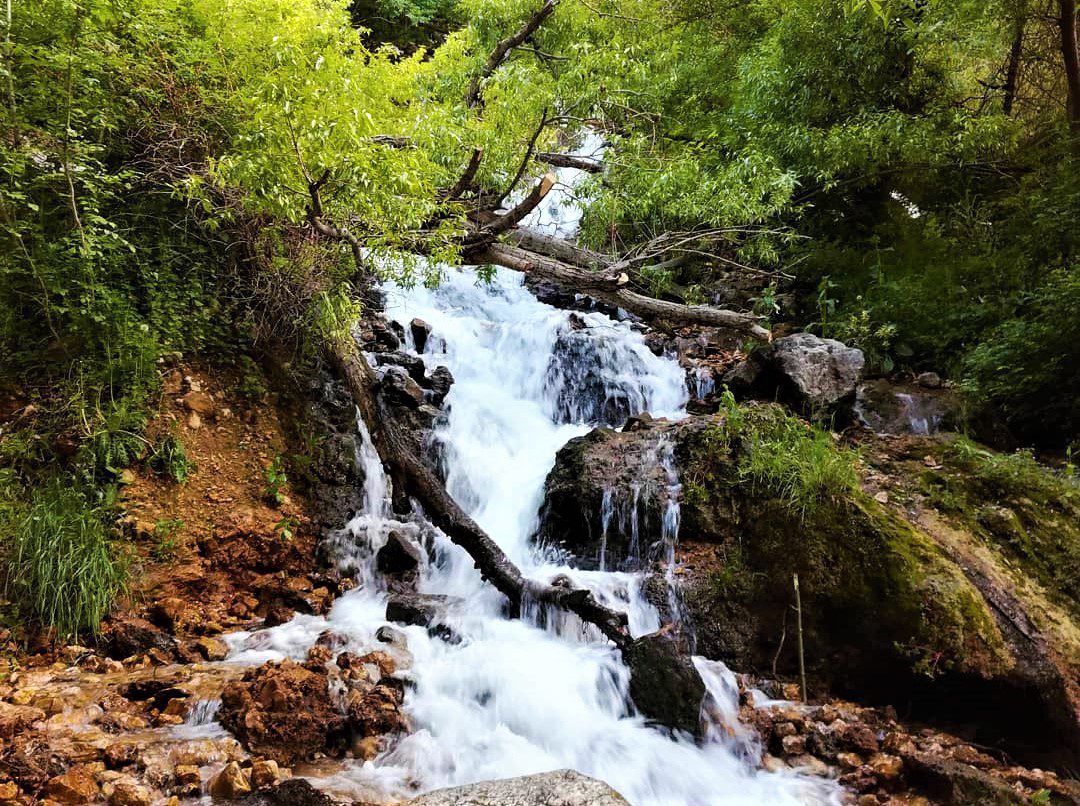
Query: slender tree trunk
pixel 1012 73
pixel 1071 58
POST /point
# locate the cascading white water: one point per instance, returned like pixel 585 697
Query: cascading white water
pixel 511 697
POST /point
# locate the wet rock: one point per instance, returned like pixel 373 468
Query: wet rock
pixel 392 637
pixel 664 684
pixel 886 767
pixel 889 408
pixel 931 380
pixel 293 792
pixel 439 385
pixel 77 785
pixel 120 754
pixel 210 649
pixel 188 780
pixel 283 711
pixel 16 718
pixel 399 555
pixel 424 610
pixel 412 365
pixel 129 636
pixel 400 388
pixel 231 783
pixel 420 330
pixel 559 788
pixel 130 793
pixel 264 772
pixel 377 710
pixel 953 783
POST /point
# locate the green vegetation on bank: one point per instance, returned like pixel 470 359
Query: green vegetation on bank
pixel 912 162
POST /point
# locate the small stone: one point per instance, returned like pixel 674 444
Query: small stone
pixel 231 783
pixel 120 754
pixel 868 800
pixel 129 793
pixel 264 772
pixel 849 761
pixel 194 421
pixel 861 738
pixel 886 767
pixel 421 330
pixel 881 497
pixel 9 793
pixel 188 780
pixel 793 745
pixel 74 786
pixel 929 380
pixel 200 403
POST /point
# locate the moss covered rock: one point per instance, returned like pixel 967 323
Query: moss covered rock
pixel 893 609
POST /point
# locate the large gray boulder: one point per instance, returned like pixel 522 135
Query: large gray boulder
pixel 820 372
pixel 558 788
pixel 813 374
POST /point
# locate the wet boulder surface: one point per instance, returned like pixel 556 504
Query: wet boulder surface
pixel 900 602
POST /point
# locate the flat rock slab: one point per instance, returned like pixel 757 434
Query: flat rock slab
pixel 558 788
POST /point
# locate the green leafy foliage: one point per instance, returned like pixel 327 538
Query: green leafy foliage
pixel 276 480
pixel 170 459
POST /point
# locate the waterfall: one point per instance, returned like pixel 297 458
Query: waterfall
pixel 514 697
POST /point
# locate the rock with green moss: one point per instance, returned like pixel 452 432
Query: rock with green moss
pixel 895 609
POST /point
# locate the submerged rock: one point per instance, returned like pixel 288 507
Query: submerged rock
pixel 559 788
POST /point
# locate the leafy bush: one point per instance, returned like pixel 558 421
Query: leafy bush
pixel 117 439
pixel 170 459
pixel 61 569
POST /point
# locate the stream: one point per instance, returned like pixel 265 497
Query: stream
pixel 512 697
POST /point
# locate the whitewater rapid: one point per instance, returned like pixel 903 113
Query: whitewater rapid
pixel 512 698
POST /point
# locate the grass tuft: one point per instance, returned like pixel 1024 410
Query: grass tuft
pixel 61 569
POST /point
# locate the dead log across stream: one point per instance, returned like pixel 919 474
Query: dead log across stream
pixel 412 475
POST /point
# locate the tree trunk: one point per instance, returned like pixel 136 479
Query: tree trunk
pixel 1012 73
pixel 409 472
pixel 1071 57
pixel 611 287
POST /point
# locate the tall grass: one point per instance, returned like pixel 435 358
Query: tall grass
pixel 60 567
pixel 797 463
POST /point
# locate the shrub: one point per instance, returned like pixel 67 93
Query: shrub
pixel 170 459
pixel 61 569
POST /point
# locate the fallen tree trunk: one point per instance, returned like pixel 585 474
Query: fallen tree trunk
pixel 410 473
pixel 611 287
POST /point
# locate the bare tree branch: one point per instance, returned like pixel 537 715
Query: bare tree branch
pixel 503 48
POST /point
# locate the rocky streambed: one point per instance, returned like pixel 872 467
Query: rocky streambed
pixel 255 668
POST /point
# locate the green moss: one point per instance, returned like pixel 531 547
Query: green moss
pixel 1025 510
pixel 785 498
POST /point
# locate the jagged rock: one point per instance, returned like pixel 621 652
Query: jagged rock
pixel 413 365
pixel 664 684
pixel 439 385
pixel 76 785
pixel 129 636
pixel 188 780
pixel 420 330
pixel 399 555
pixel 283 711
pixel 293 792
pixel 399 387
pixel 231 783
pixel 559 788
pixel 424 610
pixel 814 374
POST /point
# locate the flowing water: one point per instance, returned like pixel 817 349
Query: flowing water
pixel 512 697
